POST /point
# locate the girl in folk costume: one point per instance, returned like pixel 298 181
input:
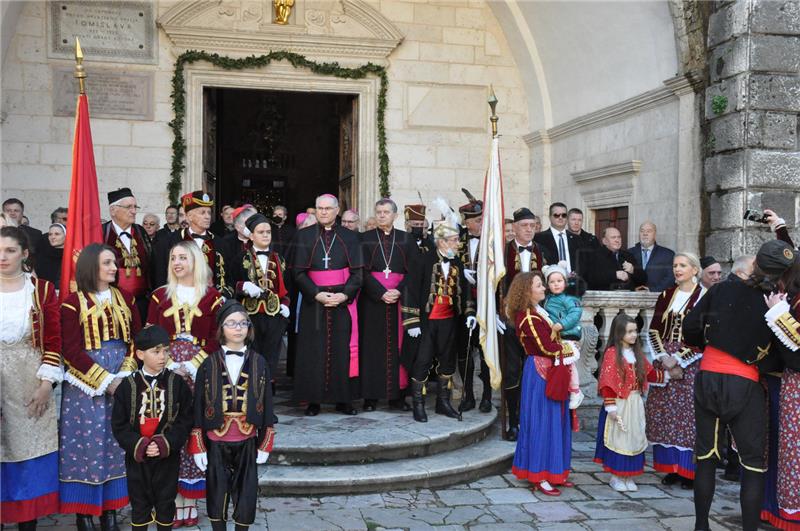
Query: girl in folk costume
pixel 258 274
pixel 624 375
pixel 186 307
pixel 30 337
pixel 543 451
pixel 98 323
pixel 232 420
pixel 670 406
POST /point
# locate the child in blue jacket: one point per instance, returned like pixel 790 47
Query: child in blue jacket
pixel 565 312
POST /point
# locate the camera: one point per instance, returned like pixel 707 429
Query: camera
pixel 755 215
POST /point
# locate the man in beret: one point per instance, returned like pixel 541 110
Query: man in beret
pixel 197 206
pixel 132 248
pixel 522 255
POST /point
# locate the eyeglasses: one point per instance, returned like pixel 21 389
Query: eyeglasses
pixel 237 324
pixel 561 215
pixel 135 208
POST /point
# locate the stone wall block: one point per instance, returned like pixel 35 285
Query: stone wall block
pixel 774 92
pixel 724 245
pixel 754 238
pixel 724 172
pixel 729 59
pixel 774 169
pixel 726 22
pixel 781 202
pixel 776 16
pixel 775 53
pixel 734 89
pixel 727 210
pixel 771 130
pixel 728 132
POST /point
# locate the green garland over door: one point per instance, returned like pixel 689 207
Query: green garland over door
pixel 253 61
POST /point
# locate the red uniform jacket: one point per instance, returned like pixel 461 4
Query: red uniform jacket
pixel 613 385
pixel 85 326
pixel 46 328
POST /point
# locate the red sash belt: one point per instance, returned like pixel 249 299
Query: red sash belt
pixel 338 277
pixel 391 283
pixel 719 361
pixel 442 308
pixel 134 284
pixel 148 427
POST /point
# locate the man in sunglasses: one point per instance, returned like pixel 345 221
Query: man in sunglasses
pixel 560 246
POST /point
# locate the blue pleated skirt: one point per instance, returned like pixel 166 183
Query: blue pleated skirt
pixel 617 464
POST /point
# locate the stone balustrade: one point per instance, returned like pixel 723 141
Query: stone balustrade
pixel 599 310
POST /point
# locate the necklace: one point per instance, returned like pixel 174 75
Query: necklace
pixel 4 277
pixel 327 252
pixel 383 253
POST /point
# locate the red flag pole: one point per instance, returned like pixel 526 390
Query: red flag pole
pixel 83 217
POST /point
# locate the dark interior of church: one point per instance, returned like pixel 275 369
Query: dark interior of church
pixel 276 147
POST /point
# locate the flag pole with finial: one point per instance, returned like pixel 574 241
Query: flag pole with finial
pixel 493 105
pixel 80 71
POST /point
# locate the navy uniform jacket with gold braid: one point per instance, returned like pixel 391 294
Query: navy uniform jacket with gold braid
pixel 730 317
pixel 170 400
pixel 84 326
pixel 217 401
pixel 426 282
pixel 247 268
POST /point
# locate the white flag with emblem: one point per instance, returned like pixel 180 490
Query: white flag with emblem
pixel 491 264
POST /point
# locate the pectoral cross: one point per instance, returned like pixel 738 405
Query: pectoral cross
pixel 326 260
pixel 386 272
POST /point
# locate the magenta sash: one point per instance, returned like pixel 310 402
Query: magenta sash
pixel 338 277
pixel 391 283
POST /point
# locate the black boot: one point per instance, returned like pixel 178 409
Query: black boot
pixel 443 405
pixel 512 403
pixel 30 525
pixel 418 401
pixel 370 404
pixel 240 527
pixel 85 522
pixel 219 525
pixel 163 527
pixel 486 396
pixel 108 521
pixel 467 373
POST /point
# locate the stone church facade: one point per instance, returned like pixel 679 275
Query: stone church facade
pixel 684 113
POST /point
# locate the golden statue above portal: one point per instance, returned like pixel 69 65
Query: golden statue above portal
pixel 283 9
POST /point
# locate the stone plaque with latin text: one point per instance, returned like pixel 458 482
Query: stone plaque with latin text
pixel 109 31
pixel 112 93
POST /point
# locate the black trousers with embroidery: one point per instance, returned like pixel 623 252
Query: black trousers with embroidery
pixel 437 341
pixel 152 487
pixel 232 475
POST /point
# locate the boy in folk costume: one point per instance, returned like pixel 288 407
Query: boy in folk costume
pixel 258 274
pixel 233 419
pixel 151 421
pixel 438 295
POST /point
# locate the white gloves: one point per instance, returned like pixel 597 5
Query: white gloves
pixel 284 311
pixel 201 460
pixel 469 274
pixel 499 324
pixel 471 323
pixel 414 332
pixel 261 457
pixel 251 289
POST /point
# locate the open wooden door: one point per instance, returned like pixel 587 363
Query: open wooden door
pixel 348 142
pixel 209 182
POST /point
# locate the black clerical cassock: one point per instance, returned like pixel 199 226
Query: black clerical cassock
pixel 327 341
pixel 387 260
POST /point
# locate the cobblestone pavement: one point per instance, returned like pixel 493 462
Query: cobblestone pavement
pixel 496 503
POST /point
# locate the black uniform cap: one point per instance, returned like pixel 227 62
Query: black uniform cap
pixel 523 213
pixel 254 221
pixel 775 257
pixel 150 337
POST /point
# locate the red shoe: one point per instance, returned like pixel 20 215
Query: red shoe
pixel 568 484
pixel 178 523
pixel 191 521
pixel 548 492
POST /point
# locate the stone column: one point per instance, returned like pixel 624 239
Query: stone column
pixel 752 103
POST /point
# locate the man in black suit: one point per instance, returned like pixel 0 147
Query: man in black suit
pixel 559 246
pixel 575 227
pixel 653 258
pixel 613 268
pixel 15 210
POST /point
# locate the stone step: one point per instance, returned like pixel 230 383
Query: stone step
pixel 489 456
pixel 383 435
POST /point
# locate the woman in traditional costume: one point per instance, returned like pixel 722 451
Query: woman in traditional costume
pixel 187 308
pixel 98 323
pixel 30 335
pixel 544 444
pixel 670 405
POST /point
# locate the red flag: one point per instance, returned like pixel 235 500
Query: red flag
pixel 83 216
